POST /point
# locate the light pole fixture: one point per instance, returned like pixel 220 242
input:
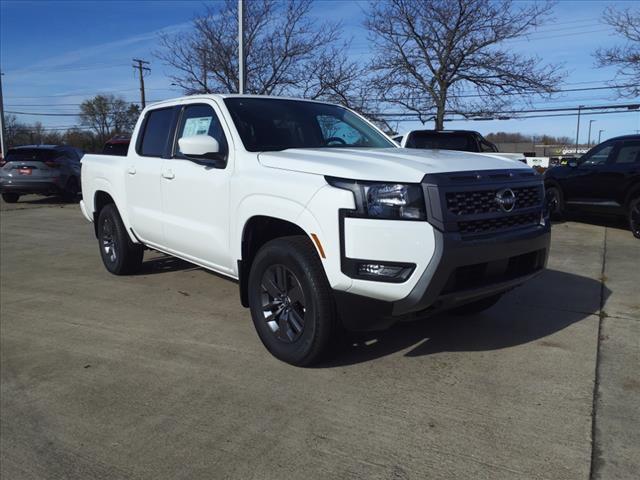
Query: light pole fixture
pixel 600 134
pixel 578 127
pixel 589 140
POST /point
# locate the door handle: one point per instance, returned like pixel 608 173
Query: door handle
pixel 131 171
pixel 168 174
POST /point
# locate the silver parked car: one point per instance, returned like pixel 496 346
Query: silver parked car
pixel 41 169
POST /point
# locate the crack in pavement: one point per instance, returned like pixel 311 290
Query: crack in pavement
pixel 596 453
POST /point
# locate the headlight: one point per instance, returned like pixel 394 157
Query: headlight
pixel 391 201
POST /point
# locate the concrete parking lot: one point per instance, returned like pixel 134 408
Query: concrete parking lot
pixel 161 375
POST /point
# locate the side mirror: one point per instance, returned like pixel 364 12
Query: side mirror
pixel 202 146
pixel 573 164
pixel 202 149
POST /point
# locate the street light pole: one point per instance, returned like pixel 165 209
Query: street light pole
pixel 241 47
pixel 578 127
pixel 599 134
pixel 589 141
pixel 2 150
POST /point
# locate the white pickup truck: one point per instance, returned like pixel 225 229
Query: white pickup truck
pixel 324 222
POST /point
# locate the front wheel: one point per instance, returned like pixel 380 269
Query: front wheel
pixel 555 202
pixel 634 217
pixel 119 254
pixel 291 301
pixel 11 197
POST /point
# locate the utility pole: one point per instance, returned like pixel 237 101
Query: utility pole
pixel 3 152
pixel 241 47
pixel 589 140
pixel 578 128
pixel 599 135
pixel 141 69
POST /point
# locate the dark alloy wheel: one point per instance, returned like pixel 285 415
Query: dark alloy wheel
pixel 554 202
pixel 634 217
pixel 119 254
pixel 11 197
pixel 291 301
pixel 283 303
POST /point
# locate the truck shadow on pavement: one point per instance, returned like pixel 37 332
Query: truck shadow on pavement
pixel 551 302
pixel 165 264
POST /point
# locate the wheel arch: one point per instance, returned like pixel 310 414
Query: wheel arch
pixel 102 198
pixel 633 192
pixel 257 231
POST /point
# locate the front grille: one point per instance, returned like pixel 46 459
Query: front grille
pixel 484 201
pixel 498 224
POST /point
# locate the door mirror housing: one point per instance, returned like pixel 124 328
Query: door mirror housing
pixel 573 163
pixel 202 149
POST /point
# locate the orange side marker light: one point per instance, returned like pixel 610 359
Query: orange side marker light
pixel 318 244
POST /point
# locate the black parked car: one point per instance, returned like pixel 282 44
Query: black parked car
pixel 43 169
pixel 605 180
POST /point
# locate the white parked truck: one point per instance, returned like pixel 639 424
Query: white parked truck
pixel 324 222
pixel 461 140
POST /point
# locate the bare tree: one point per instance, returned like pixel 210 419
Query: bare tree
pixel 440 56
pixel 107 115
pixel 288 52
pixel 626 58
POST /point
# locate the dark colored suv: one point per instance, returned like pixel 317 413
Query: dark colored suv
pixel 42 169
pixel 605 180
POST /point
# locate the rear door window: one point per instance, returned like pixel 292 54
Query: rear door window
pixel 156 133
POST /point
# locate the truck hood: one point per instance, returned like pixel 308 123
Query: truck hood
pixel 390 164
pixel 509 156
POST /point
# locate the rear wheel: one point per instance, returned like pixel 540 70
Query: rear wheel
pixel 71 189
pixel 634 217
pixel 477 306
pixel 555 202
pixel 10 197
pixel 119 254
pixel 291 301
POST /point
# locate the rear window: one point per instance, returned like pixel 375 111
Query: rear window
pixel 31 155
pixel 443 141
pixel 116 149
pixel 156 132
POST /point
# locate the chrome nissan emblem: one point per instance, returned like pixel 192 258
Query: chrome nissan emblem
pixel 506 199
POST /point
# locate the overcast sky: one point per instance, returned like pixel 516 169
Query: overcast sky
pixel 54 54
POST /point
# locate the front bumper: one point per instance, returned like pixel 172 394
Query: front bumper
pixel 464 271
pixel 471 253
pixel 459 272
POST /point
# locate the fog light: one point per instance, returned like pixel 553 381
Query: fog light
pixel 385 272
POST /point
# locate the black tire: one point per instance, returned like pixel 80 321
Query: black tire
pixel 291 301
pixel 71 190
pixel 477 306
pixel 555 201
pixel 633 216
pixel 119 254
pixel 11 197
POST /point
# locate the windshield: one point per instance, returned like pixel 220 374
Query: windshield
pixel 443 141
pixel 30 154
pixel 266 124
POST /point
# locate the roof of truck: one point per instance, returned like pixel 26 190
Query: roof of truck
pixel 235 95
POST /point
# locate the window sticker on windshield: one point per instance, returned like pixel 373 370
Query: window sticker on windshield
pixel 196 126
